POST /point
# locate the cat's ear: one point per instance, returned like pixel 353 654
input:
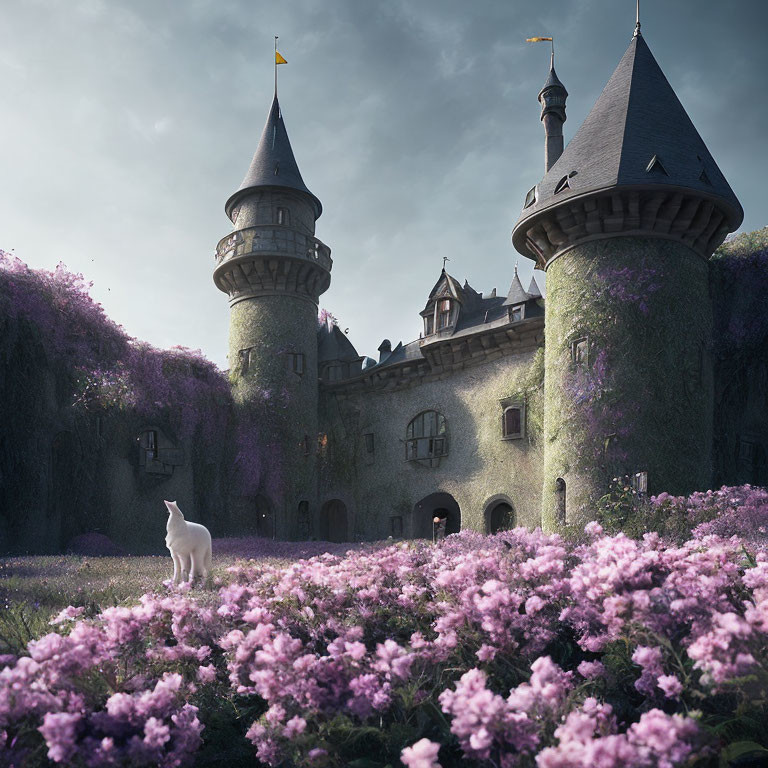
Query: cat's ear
pixel 172 507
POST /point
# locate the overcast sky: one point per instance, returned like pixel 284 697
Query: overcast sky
pixel 126 126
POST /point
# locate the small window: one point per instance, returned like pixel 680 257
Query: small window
pixel 426 438
pixel 396 527
pixel 368 442
pixel 530 198
pixel 655 167
pixel 517 313
pixel 147 447
pixel 640 483
pixel 334 373
pixel 429 325
pixel 560 501
pixel 580 352
pixel 283 216
pixel 512 427
pixel 235 211
pixel 296 362
pixel 563 184
pixel 443 313
pixel 305 445
pixel 150 437
pixel 244 359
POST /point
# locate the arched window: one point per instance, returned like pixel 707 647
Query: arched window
pixel 426 438
pixel 513 421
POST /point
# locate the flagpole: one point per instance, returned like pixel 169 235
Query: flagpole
pixel 637 21
pixel 275 65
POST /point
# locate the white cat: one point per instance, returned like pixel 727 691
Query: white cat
pixel 190 546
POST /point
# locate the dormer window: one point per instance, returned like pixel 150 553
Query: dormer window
pixel 562 185
pixel 517 313
pixel 443 313
pixel 429 325
pixel 283 217
pixel 530 198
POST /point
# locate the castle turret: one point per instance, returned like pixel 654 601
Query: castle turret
pixel 624 223
pixel 552 99
pixel 274 269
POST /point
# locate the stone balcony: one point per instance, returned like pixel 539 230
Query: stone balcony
pixel 273 240
pixel 271 259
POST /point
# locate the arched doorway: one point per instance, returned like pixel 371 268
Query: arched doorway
pixel 333 521
pixel 265 518
pixel 440 505
pixel 304 522
pixel 500 516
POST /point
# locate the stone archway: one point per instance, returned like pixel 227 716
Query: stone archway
pixel 441 505
pixel 265 517
pixel 333 521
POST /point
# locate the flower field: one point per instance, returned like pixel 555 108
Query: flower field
pixel 519 649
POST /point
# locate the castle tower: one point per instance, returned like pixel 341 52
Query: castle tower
pixel 552 99
pixel 274 269
pixel 624 223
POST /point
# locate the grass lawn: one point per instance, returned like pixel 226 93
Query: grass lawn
pixel 35 588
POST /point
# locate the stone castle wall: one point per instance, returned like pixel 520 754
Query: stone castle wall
pixel 382 490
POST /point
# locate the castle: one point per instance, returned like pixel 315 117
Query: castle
pixel 481 422
pixel 508 410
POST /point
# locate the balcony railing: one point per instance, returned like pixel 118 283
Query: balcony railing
pixel 273 240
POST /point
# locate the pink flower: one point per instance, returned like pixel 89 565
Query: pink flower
pixel 671 686
pixel 423 754
pixel 58 730
pixel 206 674
pixel 593 529
pixel 591 669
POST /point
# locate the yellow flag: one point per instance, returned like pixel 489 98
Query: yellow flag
pixel 279 59
pixel 538 39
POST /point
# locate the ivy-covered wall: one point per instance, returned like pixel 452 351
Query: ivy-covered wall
pixel 629 384
pixel 739 278
pixel 78 398
pixel 276 405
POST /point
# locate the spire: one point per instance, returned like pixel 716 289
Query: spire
pixel 273 165
pixel 516 294
pixel 533 289
pixel 552 97
pixel 638 33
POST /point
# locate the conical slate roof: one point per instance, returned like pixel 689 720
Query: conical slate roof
pixel 553 81
pixel 637 118
pixel 517 294
pixel 273 165
pixel 333 344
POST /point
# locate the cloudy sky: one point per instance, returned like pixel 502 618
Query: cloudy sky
pixel 127 124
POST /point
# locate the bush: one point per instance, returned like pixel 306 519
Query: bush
pixel 518 649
